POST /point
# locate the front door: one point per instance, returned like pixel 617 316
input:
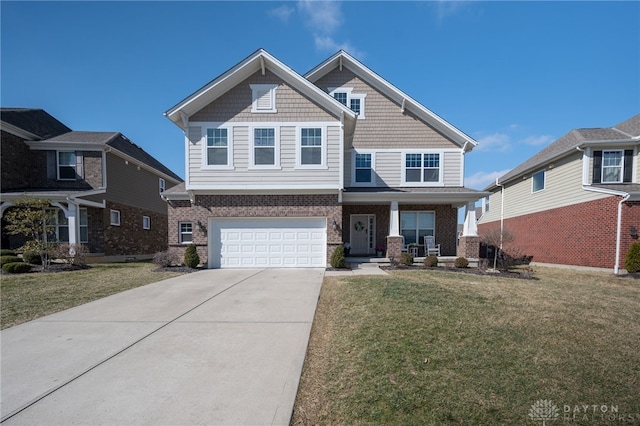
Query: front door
pixel 362 234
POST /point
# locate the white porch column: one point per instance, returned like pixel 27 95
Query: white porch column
pixel 394 220
pixel 470 227
pixel 72 218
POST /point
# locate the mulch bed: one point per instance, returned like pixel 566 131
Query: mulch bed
pixel 472 271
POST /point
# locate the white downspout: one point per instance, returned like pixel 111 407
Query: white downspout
pixel 501 210
pixel 616 268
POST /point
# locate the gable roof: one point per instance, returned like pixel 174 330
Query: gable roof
pixel 626 132
pixel 343 59
pixel 114 140
pixel 37 123
pixel 260 60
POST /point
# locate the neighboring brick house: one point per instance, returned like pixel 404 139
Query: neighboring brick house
pixel 104 189
pixel 576 202
pixel 282 168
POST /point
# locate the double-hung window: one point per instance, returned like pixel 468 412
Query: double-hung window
pixel 66 165
pixel 186 232
pixel 218 150
pixel 414 226
pixel 422 168
pixel 58 226
pixel 311 150
pixel 613 166
pixel 537 181
pixel 264 147
pixel 363 170
pixel 84 226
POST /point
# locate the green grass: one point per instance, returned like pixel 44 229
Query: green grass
pixel 430 347
pixel 25 297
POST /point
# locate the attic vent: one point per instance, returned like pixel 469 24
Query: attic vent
pixel 263 97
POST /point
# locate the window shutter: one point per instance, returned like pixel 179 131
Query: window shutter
pixel 597 166
pixel 628 165
pixel 79 165
pixel 52 165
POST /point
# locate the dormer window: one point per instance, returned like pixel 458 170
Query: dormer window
pixel 263 98
pixel 346 97
pixel 613 166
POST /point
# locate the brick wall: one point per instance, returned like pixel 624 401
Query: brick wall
pixel 207 206
pixel 14 163
pixel 582 234
pixel 130 238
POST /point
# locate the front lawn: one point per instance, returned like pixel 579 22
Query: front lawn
pixel 25 297
pixel 433 347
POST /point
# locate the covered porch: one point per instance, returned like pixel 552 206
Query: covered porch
pixel 390 221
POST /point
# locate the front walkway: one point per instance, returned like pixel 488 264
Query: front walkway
pixel 212 347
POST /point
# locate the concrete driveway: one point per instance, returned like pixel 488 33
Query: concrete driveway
pixel 211 347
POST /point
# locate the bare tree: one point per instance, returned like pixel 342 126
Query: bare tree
pixel 496 237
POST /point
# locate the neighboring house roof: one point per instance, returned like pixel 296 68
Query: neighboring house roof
pixel 37 122
pixel 114 140
pixel 627 131
pixel 260 60
pixel 404 101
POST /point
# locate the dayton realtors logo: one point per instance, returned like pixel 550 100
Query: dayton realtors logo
pixel 544 410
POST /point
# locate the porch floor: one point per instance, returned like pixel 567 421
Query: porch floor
pixel 384 261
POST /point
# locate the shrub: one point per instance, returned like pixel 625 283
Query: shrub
pixel 73 254
pixel 7 252
pixel 191 258
pixel 16 267
pixel 632 262
pixel 405 259
pixel 165 259
pixel 9 259
pixel 461 262
pixel 337 258
pixel 32 257
pixel 430 261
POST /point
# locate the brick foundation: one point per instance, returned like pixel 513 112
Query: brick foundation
pixel 469 247
pixel 582 234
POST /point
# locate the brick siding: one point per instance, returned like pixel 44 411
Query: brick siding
pixel 130 238
pixel 14 162
pixel 258 206
pixel 582 234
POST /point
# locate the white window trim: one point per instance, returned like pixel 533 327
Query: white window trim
pixel 255 88
pixel 58 165
pixel 146 222
pixel 350 95
pixel 403 158
pixel 162 185
pixel 276 153
pixel 111 221
pixel 323 164
pixel 417 227
pixel 180 233
pixel 205 151
pixel 353 168
pixel 621 180
pixel 544 186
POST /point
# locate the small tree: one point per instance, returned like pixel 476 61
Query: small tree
pixel 497 238
pixel 31 218
pixel 191 258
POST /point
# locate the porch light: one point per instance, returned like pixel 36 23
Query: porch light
pixel 334 225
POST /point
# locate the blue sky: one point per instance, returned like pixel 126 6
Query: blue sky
pixel 513 75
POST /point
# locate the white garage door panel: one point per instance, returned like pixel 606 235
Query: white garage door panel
pixel 260 243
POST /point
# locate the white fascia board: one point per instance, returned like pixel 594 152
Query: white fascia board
pixel 391 92
pixel 61 145
pixel 256 191
pixel 17 131
pixel 264 188
pixel 242 71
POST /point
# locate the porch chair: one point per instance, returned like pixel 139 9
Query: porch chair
pixel 430 246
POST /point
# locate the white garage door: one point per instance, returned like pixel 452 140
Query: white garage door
pixel 260 243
